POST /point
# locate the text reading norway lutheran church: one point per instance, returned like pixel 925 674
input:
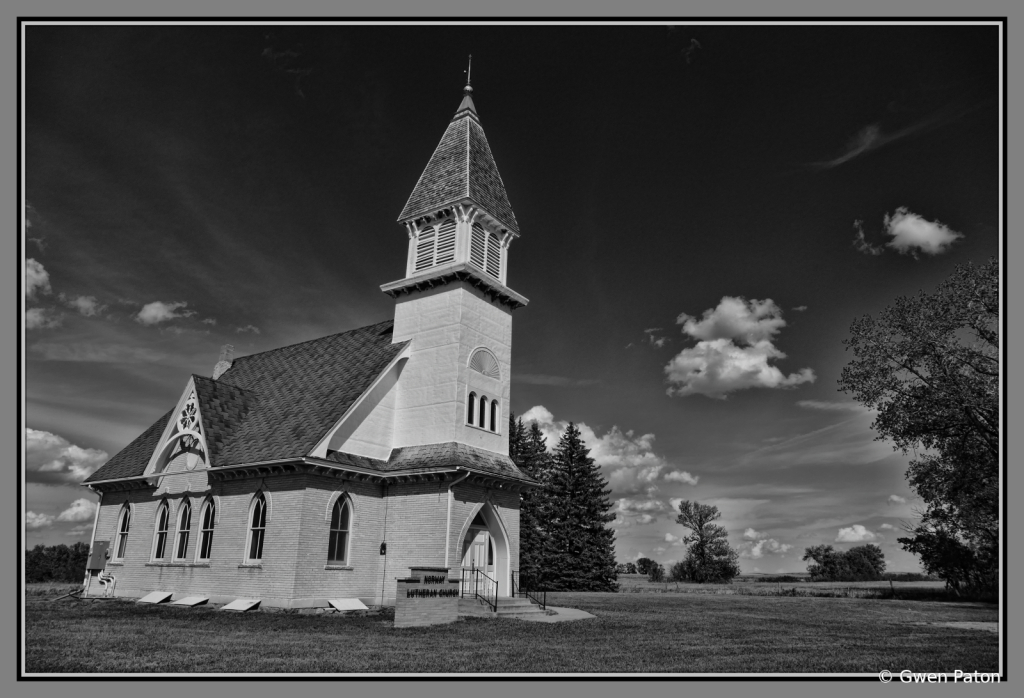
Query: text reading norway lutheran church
pixel 327 469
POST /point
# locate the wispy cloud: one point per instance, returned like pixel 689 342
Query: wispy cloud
pixel 158 311
pixel 37 279
pixel 873 136
pixel 209 321
pixel 41 319
pixel 34 520
pixel 831 406
pixel 86 305
pixel 98 353
pixel 799 308
pixel 896 499
pixel 559 381
pixel 860 242
pixel 52 459
pixel 734 348
pixel 248 328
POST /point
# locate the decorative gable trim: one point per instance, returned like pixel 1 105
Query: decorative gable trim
pixel 184 431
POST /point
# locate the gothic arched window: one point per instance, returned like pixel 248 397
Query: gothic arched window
pixel 341 526
pixel 207 518
pixel 482 417
pixel 124 524
pixel 162 524
pixel 494 415
pixel 257 528
pixel 184 529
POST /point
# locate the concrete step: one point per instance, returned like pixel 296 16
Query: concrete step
pixel 507 608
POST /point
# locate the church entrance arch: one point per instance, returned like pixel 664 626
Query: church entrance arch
pixel 485 548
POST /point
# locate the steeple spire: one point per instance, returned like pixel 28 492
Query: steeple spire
pixel 467 91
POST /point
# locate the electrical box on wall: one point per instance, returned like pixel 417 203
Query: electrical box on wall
pixel 98 555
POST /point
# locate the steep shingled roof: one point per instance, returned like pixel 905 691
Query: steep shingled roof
pixel 440 455
pixel 275 404
pixel 461 168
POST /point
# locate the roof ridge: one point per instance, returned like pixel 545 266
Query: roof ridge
pixel 315 339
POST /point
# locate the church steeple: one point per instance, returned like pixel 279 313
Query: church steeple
pixel 458 216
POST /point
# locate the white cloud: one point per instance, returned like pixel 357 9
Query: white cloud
pixel 799 308
pixel 34 520
pixel 912 233
pixel 733 351
pixel 80 510
pixel 209 321
pixel 854 534
pixel 80 530
pixel 887 527
pixel 248 328
pixel 896 499
pixel 52 459
pixel 86 305
pixel 681 476
pixel 41 319
pixel 758 544
pixel 36 278
pixel 627 459
pixel 764 546
pixel 157 312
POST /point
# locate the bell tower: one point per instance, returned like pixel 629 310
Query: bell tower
pixel 453 303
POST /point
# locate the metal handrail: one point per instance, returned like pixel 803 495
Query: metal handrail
pixel 538 597
pixel 484 596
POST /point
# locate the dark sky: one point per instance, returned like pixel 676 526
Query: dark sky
pixel 255 173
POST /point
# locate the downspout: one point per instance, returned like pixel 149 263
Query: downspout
pixel 448 527
pixel 92 539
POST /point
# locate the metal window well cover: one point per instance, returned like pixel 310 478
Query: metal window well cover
pixel 191 601
pixel 347 604
pixel 156 597
pixel 241 605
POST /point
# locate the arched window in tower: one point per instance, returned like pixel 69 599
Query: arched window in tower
pixel 482 421
pixel 160 539
pixel 470 408
pixel 207 519
pixel 257 527
pixel 184 530
pixel 337 551
pixel 494 415
pixel 484 362
pixel 124 524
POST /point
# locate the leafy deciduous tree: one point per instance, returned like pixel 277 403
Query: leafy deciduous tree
pixel 929 365
pixel 709 558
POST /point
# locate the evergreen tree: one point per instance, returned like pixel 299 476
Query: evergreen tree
pixel 579 549
pixel 528 450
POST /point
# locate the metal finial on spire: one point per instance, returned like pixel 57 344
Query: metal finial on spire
pixel 469 72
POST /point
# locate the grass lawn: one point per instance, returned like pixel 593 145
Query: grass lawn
pixel 679 633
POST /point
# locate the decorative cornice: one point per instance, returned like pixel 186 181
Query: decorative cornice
pixel 462 271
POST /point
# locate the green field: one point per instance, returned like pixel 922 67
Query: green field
pixel 751 586
pixel 633 633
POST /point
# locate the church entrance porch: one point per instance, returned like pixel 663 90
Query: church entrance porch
pixel 485 556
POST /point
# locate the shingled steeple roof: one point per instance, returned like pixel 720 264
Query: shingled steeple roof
pixel 462 170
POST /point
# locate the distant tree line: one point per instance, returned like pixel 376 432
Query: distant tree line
pixel 864 563
pixel 56 563
pixel 565 543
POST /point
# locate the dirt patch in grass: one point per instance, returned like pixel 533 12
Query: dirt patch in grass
pixel 632 633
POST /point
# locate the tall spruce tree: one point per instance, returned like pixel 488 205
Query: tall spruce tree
pixel 528 450
pixel 579 548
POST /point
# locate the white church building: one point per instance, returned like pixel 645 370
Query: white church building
pixel 327 469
